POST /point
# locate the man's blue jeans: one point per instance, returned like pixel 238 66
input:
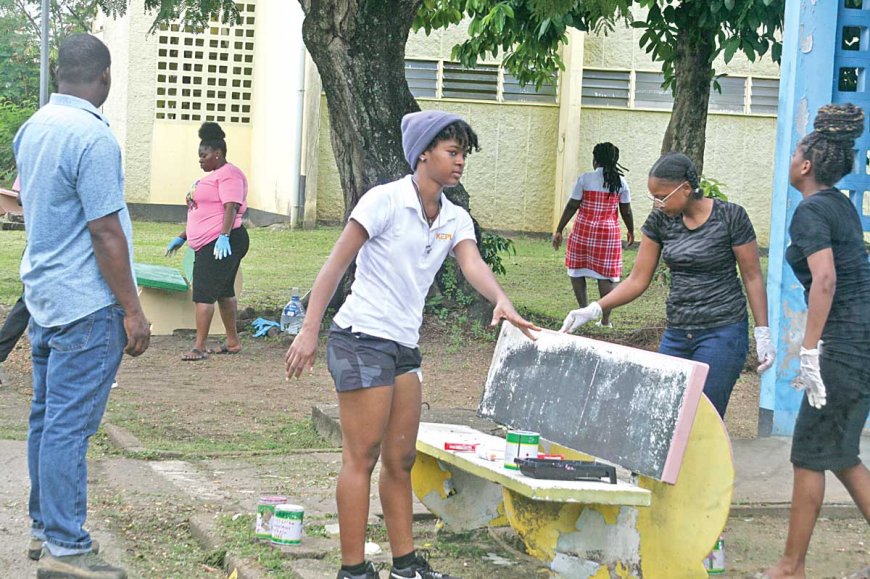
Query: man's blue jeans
pixel 73 369
pixel 724 349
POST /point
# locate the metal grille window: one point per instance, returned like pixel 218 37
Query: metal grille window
pixel 606 88
pixel 206 76
pixel 422 77
pixel 479 83
pixel 512 91
pixel 648 91
pixel 732 99
pixel 763 96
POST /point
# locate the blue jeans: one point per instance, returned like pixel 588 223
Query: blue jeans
pixel 724 349
pixel 73 369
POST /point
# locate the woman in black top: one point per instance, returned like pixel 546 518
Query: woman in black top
pixel 828 257
pixel 703 241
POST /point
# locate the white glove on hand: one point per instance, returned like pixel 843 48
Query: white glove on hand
pixel 764 348
pixel 577 318
pixel 810 379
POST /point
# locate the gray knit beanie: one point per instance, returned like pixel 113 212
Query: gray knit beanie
pixel 418 130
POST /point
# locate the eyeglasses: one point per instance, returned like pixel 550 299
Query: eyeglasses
pixel 660 202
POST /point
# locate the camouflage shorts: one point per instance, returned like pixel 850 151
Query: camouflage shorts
pixel 358 360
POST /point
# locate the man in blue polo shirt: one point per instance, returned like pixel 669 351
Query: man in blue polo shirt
pixel 79 288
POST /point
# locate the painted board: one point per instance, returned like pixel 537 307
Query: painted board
pixel 626 406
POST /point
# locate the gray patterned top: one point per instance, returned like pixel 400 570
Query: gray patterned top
pixel 705 290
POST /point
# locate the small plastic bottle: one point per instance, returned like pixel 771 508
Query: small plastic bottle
pixel 293 314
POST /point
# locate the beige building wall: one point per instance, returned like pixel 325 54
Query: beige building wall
pixel 161 154
pixel 739 150
pixel 512 178
pixel 530 158
pixel 130 106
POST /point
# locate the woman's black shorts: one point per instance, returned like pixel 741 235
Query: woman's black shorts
pixel 829 438
pixel 214 278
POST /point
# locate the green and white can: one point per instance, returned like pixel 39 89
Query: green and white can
pixel 520 444
pixel 714 563
pixel 265 512
pixel 287 525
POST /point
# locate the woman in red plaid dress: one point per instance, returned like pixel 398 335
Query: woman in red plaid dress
pixel 594 247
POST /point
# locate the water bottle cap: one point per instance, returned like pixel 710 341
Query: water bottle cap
pixel 294 292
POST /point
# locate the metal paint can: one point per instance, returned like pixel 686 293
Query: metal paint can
pixel 520 444
pixel 265 512
pixel 714 563
pixel 287 525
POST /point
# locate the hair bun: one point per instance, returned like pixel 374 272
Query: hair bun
pixel 842 123
pixel 211 132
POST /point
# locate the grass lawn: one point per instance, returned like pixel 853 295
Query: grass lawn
pixel 280 259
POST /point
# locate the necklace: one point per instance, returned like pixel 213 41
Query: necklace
pixel 429 221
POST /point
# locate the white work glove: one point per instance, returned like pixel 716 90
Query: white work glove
pixel 577 318
pixel 810 379
pixel 764 348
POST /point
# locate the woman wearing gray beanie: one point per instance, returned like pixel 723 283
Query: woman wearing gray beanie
pixel 400 234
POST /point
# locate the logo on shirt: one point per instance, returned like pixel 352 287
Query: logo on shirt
pixel 443 236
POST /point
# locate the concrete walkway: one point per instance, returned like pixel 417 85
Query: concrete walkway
pixel 763 484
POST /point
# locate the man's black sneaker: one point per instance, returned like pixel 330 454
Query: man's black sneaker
pixel 420 569
pixel 369 573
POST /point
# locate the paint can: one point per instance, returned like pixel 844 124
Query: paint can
pixel 287 525
pixel 520 444
pixel 714 563
pixel 265 512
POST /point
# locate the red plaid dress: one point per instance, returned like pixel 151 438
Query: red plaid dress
pixel 595 240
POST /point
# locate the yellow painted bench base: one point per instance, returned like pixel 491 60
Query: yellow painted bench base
pixel 668 540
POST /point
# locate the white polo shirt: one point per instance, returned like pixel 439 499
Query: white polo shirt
pixel 394 270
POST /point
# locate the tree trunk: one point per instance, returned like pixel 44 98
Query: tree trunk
pixel 359 49
pixel 693 72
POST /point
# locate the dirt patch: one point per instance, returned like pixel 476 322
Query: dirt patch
pixel 228 398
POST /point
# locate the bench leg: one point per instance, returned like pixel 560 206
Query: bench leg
pixel 462 500
pixel 578 541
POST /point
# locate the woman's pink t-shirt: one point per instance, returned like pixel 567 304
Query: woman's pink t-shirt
pixel 206 214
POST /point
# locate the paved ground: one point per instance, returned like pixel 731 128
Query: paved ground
pixel 763 479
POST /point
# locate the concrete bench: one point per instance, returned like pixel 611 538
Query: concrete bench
pixel 166 297
pixel 639 527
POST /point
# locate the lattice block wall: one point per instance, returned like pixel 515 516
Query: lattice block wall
pixel 207 75
pixel 851 66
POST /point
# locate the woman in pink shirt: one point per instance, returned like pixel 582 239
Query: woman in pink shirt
pixel 215 206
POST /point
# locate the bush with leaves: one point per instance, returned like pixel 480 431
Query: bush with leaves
pixel 12 116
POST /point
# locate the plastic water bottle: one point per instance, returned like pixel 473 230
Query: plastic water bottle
pixel 293 314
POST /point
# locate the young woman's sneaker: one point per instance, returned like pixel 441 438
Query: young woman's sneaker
pixel 420 569
pixel 369 573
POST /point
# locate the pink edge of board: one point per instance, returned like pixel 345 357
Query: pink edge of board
pixel 685 421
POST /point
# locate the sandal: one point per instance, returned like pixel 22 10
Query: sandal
pixel 222 349
pixel 194 355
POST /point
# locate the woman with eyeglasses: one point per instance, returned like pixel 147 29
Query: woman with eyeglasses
pixel 703 241
pixel 594 249
pixel 215 206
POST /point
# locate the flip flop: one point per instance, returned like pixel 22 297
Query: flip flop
pixel 222 349
pixel 194 356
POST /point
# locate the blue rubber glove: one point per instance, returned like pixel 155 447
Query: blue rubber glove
pixel 263 326
pixel 174 245
pixel 222 246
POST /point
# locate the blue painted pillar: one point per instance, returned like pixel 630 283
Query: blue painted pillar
pixel 825 53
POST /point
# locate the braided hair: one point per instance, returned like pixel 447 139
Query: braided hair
pixel 829 146
pixel 211 135
pixel 606 156
pixel 675 168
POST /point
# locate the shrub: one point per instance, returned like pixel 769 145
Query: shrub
pixel 12 116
